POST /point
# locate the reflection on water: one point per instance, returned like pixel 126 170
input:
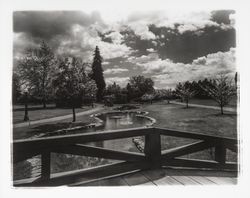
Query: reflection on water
pixel 66 162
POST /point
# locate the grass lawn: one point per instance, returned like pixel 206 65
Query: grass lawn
pixel 192 119
pixel 210 102
pixel 36 112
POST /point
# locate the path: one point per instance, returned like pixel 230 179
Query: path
pixel 230 109
pixel 24 124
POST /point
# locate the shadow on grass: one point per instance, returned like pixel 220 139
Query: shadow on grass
pixel 225 115
pixel 36 108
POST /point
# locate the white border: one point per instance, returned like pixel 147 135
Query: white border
pixel 243 54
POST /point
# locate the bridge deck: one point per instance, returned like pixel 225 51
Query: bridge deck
pixel 166 176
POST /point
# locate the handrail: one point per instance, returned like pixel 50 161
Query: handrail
pixel 153 157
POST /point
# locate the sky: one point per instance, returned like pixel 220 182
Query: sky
pixel 166 45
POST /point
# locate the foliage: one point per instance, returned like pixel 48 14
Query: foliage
pixel 221 90
pixel 163 94
pixel 138 86
pixel 113 89
pixel 35 71
pixel 71 83
pixel 184 91
pixel 16 87
pixel 97 74
pixel 119 94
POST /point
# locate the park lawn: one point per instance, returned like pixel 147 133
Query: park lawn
pixel 210 102
pixel 36 129
pixel 38 113
pixel 193 119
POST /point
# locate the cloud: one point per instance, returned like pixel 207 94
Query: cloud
pixel 116 37
pixel 167 73
pixel 141 29
pixel 82 41
pixel 122 81
pixel 184 21
pixel 150 50
pixel 115 71
pixel 47 24
pixel 106 63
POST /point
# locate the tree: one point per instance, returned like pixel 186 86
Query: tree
pixel 35 70
pixel 129 92
pixel 221 90
pixel 16 87
pixel 139 85
pixel 71 83
pixel 113 89
pixel 97 74
pixel 184 91
pixel 165 94
pixel 148 97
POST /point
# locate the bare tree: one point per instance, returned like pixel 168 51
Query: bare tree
pixel 184 91
pixel 221 90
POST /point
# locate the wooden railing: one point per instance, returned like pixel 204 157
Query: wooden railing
pixel 153 156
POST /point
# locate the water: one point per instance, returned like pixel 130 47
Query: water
pixel 66 162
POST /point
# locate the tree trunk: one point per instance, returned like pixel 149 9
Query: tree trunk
pixel 74 114
pixel 26 116
pixel 44 103
pixel 221 110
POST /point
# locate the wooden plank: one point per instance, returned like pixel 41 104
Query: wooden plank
pixel 159 177
pixel 186 149
pixel 177 175
pixel 136 179
pixel 152 149
pixel 56 141
pixel 181 162
pixel 202 180
pixel 117 181
pixel 79 177
pixel 45 165
pixel 199 178
pixel 93 151
pixel 223 180
pixel 192 135
pixel 210 173
pixel 220 153
pixel 20 155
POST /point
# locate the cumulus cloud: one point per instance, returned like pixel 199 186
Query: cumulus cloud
pixel 116 37
pixel 150 50
pixel 166 72
pixel 82 41
pixel 115 71
pixel 105 63
pixel 122 81
pixel 141 29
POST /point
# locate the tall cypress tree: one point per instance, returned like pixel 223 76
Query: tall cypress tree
pixel 97 74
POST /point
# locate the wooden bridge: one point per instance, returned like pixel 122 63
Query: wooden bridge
pixel 153 167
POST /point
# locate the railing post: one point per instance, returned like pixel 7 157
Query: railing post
pixel 152 149
pixel 220 153
pixel 45 165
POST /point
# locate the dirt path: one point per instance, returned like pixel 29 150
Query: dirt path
pixel 230 109
pixel 23 124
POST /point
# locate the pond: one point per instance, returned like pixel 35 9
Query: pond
pixel 66 162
